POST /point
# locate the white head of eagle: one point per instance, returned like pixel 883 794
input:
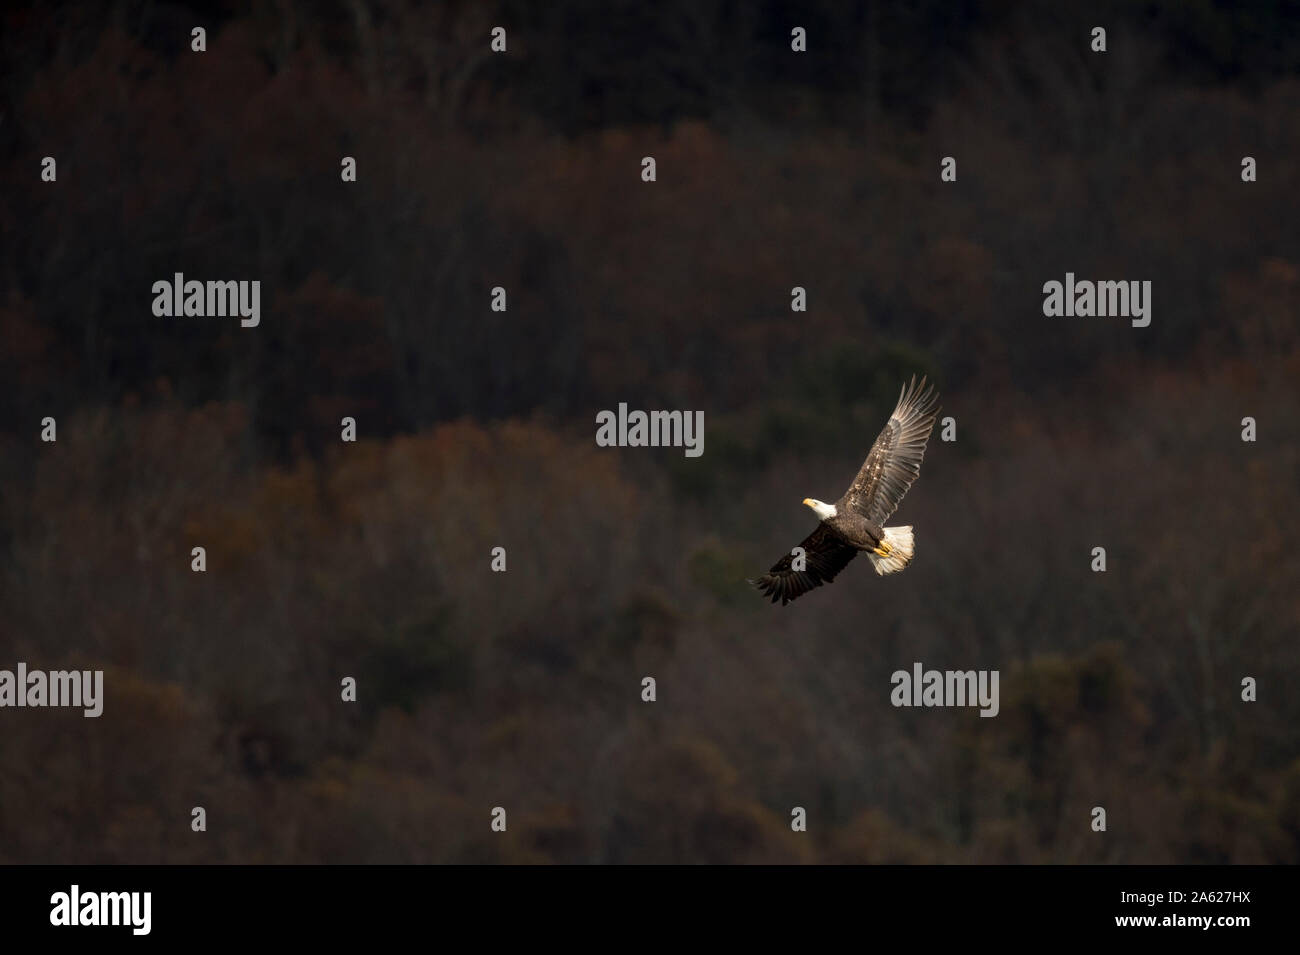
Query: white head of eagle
pixel 821 509
pixel 856 522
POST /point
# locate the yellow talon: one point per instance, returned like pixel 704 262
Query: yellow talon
pixel 883 549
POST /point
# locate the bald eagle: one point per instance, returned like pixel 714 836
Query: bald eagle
pixel 856 521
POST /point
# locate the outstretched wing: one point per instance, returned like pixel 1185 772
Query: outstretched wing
pixel 895 458
pixel 825 555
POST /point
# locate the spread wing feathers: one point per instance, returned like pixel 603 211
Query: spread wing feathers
pixel 825 555
pixel 895 458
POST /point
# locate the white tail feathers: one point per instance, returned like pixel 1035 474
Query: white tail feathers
pixel 898 541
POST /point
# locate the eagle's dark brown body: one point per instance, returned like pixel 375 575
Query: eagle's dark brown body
pixel 855 529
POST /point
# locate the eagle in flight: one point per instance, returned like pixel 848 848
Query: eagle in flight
pixel 856 522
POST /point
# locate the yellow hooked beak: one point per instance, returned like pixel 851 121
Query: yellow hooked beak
pixel 808 501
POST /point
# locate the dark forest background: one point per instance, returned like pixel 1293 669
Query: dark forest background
pixel 521 690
